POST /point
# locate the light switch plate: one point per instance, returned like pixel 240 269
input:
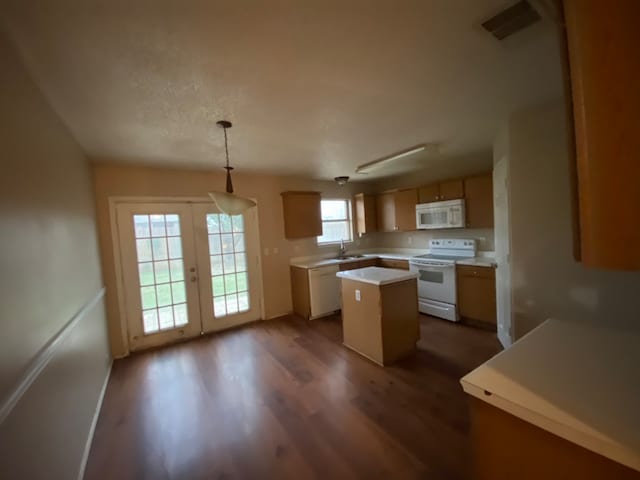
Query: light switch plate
pixel 357 295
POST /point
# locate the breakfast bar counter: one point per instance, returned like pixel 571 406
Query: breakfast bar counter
pixel 380 313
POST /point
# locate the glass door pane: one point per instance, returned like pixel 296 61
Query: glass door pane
pixel 158 265
pixel 228 267
pixel 228 261
pixel 161 272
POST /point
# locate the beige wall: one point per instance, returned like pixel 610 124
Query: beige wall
pixel 420 238
pixel 546 281
pixel 49 271
pixel 119 180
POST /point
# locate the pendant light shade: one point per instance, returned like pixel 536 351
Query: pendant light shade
pixel 227 202
pixel 231 204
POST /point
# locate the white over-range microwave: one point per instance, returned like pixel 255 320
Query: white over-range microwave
pixel 448 214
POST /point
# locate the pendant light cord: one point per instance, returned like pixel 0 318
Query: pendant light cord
pixel 226 148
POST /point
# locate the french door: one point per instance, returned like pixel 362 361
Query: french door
pixel 186 269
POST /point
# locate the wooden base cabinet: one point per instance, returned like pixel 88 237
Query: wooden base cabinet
pixel 508 448
pixel 477 293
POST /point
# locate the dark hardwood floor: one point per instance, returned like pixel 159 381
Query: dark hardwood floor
pixel 284 399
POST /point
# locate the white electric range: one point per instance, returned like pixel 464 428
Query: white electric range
pixel 437 276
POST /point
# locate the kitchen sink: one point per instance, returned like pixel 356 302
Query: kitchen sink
pixel 348 257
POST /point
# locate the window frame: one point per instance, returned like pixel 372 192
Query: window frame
pixel 349 220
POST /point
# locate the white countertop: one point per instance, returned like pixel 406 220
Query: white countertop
pixel 313 262
pixel 577 380
pixel 484 259
pixel 377 275
pixel 478 262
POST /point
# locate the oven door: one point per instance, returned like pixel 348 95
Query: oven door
pixel 436 281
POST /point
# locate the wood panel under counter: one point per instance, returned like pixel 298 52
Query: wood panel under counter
pixel 380 313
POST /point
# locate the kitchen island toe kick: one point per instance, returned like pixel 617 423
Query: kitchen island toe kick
pixel 380 313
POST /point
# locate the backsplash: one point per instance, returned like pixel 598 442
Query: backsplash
pixel 420 238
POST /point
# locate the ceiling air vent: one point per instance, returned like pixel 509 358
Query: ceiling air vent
pixel 511 20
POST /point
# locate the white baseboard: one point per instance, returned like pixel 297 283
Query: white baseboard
pixel 94 422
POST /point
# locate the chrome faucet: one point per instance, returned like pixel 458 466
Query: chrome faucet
pixel 343 249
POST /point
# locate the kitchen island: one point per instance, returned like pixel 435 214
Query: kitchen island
pixel 380 313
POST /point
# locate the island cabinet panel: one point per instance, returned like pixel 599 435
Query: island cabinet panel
pixel 362 331
pixel 604 70
pixel 478 194
pixel 506 448
pixel 393 263
pixel 302 214
pixel 380 322
pixel 300 292
pixel 477 293
pixel 366 217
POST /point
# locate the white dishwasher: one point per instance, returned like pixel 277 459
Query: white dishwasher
pixel 324 290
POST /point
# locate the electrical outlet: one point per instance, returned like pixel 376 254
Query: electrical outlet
pixel 409 240
pixel 275 250
pixel 357 295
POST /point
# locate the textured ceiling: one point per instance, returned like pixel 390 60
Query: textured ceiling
pixel 314 88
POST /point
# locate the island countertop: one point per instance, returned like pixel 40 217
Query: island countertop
pixel 577 380
pixel 377 275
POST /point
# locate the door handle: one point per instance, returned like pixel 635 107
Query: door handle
pixel 193 278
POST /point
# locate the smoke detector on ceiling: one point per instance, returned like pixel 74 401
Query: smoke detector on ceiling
pixel 511 20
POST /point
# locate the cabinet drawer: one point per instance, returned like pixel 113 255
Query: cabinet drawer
pixel 474 271
pixel 392 263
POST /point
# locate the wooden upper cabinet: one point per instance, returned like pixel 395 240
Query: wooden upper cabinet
pixel 396 211
pixel 436 192
pixel 405 204
pixel 429 193
pixel 478 194
pixel 604 71
pixel 385 212
pixel 365 208
pixel 302 214
pixel 451 190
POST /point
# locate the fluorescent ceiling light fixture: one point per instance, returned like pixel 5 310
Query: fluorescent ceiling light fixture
pixel 371 166
pixel 227 202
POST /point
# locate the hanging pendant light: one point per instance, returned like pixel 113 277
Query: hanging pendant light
pixel 227 202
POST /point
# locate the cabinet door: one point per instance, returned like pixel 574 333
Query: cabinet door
pixel 405 209
pixel 386 212
pixel 478 194
pixel 365 206
pixel 477 293
pixel 602 40
pixel 451 190
pixel 302 215
pixel 429 193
